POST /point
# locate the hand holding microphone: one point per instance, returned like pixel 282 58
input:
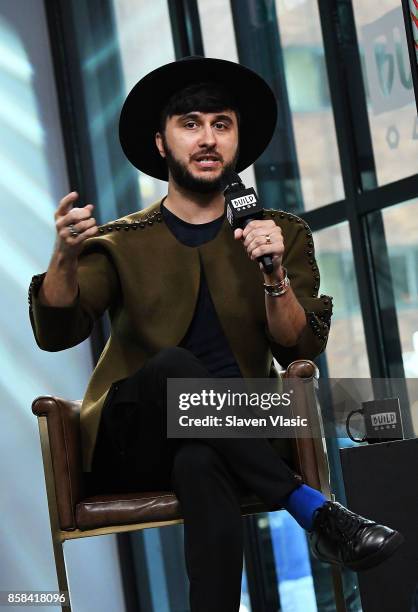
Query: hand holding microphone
pixel 262 238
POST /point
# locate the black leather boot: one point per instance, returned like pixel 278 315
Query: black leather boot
pixel 342 537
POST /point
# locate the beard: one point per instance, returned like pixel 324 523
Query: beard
pixel 185 179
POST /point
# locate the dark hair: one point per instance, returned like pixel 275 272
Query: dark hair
pixel 205 97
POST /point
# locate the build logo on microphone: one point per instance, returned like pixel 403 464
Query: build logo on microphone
pixel 246 201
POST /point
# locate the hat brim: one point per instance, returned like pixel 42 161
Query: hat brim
pixel 140 115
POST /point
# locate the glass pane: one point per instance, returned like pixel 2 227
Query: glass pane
pixel 140 24
pixel 312 116
pixel 113 46
pixel 219 41
pixel 346 350
pixel 217 29
pixel 389 89
pixel 245 605
pixel 345 357
pixel 401 230
pixel 293 569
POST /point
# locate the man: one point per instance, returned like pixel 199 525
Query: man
pixel 186 299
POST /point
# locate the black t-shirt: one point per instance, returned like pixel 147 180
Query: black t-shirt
pixel 205 337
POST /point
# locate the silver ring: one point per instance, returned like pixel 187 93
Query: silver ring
pixel 268 239
pixel 73 232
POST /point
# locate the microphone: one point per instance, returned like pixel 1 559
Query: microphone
pixel 243 206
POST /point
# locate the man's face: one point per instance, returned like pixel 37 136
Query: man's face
pixel 200 148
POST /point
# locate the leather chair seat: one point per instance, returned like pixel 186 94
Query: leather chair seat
pixel 144 507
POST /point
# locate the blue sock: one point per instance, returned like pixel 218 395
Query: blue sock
pixel 302 503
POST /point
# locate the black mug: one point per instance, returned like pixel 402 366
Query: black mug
pixel 382 419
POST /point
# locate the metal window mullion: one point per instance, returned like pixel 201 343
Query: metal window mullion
pixel 259 47
pixel 185 28
pixel 80 167
pixel 388 195
pixel 326 216
pixel 362 234
pixel 352 184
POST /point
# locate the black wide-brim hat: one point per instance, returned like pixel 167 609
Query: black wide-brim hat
pixel 140 115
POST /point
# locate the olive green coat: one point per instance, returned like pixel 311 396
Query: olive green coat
pixel 149 282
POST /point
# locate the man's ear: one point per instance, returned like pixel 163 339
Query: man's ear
pixel 159 143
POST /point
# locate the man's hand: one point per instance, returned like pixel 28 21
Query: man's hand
pixel 263 237
pixel 68 222
pixel 285 316
pixel 60 286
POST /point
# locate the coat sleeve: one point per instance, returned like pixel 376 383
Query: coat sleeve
pixel 303 272
pixel 57 328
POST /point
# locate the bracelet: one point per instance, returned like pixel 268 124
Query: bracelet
pixel 278 289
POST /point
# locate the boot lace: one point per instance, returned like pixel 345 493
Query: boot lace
pixel 342 524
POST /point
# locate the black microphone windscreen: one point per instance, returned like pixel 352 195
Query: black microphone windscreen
pixel 231 180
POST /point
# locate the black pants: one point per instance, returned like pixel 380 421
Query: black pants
pixel 208 475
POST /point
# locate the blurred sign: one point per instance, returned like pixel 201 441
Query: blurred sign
pixel 387 62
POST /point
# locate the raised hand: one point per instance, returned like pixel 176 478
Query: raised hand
pixel 74 225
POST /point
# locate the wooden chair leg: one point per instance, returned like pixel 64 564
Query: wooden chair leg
pixel 57 540
pixel 62 574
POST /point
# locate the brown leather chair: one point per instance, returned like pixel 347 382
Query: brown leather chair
pixel 74 514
